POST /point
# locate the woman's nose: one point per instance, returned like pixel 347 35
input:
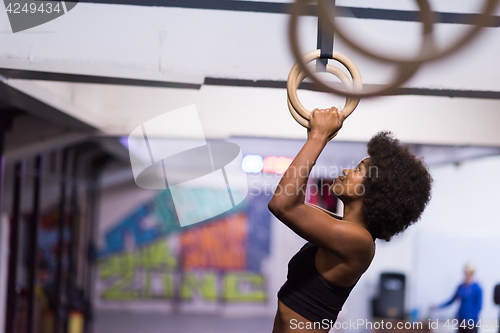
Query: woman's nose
pixel 344 172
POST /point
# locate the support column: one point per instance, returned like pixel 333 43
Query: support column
pixel 12 292
pixel 6 117
pixel 93 200
pixel 32 241
pixel 60 299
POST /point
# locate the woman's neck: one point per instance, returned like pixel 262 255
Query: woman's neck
pixel 353 213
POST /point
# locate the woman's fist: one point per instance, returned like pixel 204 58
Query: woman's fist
pixel 325 123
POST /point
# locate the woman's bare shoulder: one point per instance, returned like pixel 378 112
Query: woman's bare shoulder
pixel 359 246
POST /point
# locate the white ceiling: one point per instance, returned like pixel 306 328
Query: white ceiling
pixel 188 45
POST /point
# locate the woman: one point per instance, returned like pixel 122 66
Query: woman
pixel 470 295
pixel 382 196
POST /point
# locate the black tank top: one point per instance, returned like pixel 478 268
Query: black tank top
pixel 307 292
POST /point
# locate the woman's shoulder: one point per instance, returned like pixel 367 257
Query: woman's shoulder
pixel 345 269
pixel 476 285
pixel 363 240
pixel 358 244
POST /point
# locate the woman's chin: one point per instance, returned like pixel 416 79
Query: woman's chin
pixel 336 185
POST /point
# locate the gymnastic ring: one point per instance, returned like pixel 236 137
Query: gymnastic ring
pixel 304 121
pixel 429 53
pixel 405 70
pixel 293 82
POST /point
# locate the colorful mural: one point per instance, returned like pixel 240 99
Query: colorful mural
pixel 148 256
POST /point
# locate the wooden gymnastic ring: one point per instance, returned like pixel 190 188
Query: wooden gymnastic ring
pixel 406 67
pixel 304 119
pixel 428 50
pixel 296 76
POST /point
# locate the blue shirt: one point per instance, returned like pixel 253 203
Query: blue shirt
pixel 471 298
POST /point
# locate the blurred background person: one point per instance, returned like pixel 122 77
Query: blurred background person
pixel 470 295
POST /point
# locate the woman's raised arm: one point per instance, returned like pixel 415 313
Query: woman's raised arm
pixel 288 203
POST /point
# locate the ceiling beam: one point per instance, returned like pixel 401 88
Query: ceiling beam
pixel 39 109
pixel 284 8
pixel 80 78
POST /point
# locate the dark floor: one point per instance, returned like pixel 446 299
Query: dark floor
pixel 132 322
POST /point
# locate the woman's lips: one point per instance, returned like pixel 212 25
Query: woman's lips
pixel 341 178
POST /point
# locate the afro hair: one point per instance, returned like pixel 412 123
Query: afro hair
pixel 397 187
